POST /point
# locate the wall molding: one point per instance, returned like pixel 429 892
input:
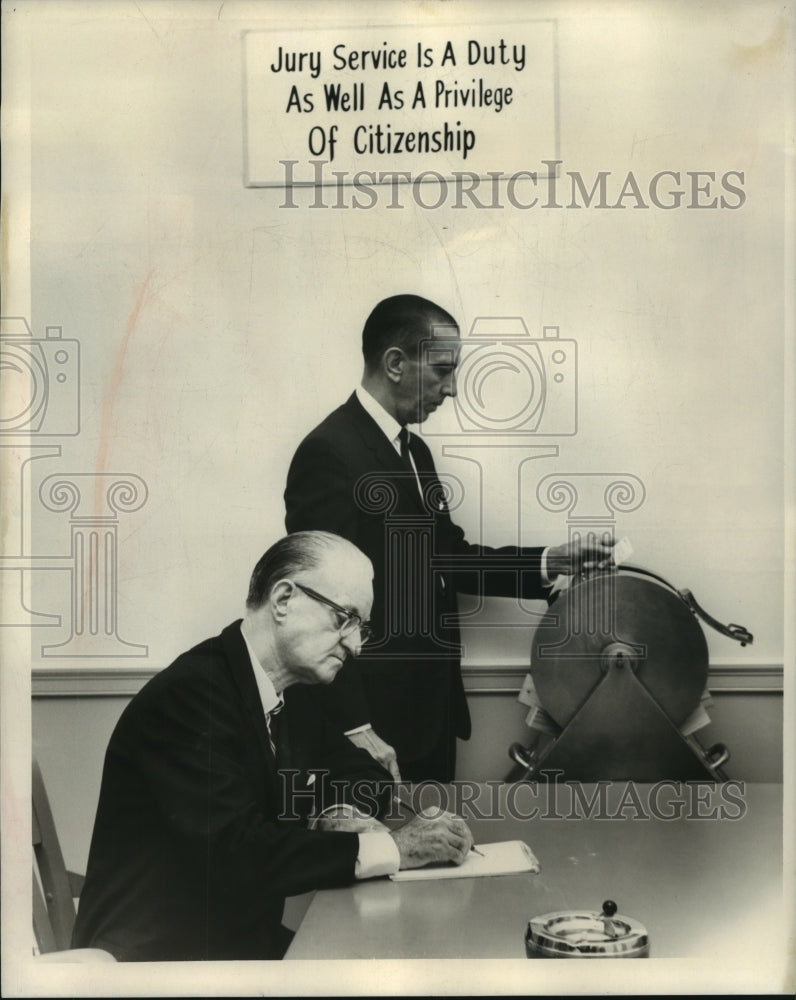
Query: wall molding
pixel 479 679
pixel 723 678
pixel 89 682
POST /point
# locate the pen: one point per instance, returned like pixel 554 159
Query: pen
pixel 407 805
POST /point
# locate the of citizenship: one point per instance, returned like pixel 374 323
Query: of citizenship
pixel 384 139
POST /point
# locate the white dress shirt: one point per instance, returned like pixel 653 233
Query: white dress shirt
pixel 378 853
pixel 388 425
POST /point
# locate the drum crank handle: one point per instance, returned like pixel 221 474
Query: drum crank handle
pixel 737 632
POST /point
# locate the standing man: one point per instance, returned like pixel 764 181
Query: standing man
pixel 363 475
pixel 209 779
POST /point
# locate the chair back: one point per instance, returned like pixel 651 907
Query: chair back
pixel 53 887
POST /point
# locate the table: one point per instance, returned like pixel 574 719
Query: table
pixel 702 882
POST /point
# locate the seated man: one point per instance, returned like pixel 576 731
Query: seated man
pixel 199 837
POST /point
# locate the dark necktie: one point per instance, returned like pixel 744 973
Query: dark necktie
pixel 407 452
pixel 403 438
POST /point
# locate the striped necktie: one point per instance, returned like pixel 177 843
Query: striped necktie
pixel 270 717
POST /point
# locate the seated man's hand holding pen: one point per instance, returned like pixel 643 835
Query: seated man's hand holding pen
pixel 433 838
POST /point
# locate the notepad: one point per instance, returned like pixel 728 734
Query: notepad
pixel 507 857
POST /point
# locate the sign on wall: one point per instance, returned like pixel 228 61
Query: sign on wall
pixel 376 102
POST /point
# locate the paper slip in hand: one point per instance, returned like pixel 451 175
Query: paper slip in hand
pixel 508 857
pixel 622 551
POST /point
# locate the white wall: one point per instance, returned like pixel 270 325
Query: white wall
pixel 216 327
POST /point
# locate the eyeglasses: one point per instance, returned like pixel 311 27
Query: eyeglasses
pixel 346 621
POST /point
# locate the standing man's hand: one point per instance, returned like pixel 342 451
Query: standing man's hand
pixel 380 751
pixel 438 837
pixel 583 552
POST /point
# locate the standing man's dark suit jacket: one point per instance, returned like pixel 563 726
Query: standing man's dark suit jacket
pixel 346 477
pixel 187 858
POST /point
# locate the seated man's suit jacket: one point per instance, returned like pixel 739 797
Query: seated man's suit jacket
pixel 189 857
pixel 346 477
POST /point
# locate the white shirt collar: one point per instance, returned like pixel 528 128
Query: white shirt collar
pixel 268 696
pixel 388 424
